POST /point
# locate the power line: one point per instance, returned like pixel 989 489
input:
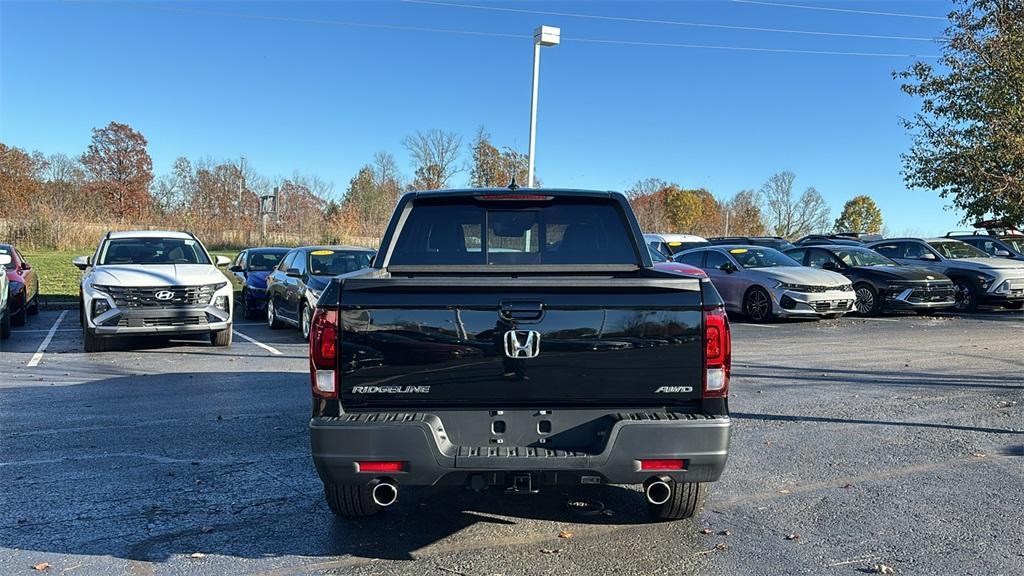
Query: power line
pixel 403 28
pixel 667 22
pixel 845 10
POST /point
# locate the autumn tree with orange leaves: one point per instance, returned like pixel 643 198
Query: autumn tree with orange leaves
pixel 120 169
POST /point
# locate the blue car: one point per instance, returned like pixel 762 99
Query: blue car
pixel 249 271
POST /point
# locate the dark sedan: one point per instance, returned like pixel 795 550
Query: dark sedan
pixel 881 284
pixel 294 286
pixel 23 286
pixel 249 271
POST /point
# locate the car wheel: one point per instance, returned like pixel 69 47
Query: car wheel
pixel 307 321
pixel 272 319
pixel 351 500
pixel 19 318
pixel 757 305
pixel 685 501
pixel 965 296
pixel 94 343
pixel 221 337
pixel 5 324
pixel 33 309
pixel 867 300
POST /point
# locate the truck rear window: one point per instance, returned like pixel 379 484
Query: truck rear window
pixel 557 231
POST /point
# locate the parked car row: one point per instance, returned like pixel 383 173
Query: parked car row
pixel 767 277
pixel 19 289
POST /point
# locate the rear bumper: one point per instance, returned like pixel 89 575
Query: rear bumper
pixel 431 459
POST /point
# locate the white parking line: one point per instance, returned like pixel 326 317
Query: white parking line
pixel 270 349
pixel 875 319
pixel 757 325
pixel 46 341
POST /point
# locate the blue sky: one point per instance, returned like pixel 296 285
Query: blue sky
pixel 293 88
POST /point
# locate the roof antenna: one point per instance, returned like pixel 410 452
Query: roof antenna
pixel 512 185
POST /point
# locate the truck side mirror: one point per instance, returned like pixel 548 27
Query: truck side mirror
pixel 929 256
pixel 293 272
pixel 1001 254
pixel 728 267
pixel 80 262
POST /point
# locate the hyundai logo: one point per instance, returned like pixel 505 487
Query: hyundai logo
pixel 522 344
pixel 164 295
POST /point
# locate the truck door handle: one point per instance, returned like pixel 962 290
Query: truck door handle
pixel 522 310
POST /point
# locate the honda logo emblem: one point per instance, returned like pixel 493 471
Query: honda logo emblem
pixel 522 344
pixel 164 295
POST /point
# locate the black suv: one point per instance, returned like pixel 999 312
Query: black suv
pixel 881 283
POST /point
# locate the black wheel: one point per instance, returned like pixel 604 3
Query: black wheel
pixel 221 337
pixel 1014 305
pixel 867 300
pixel 19 318
pixel 94 343
pixel 351 500
pixel 243 300
pixel 685 501
pixel 272 320
pixel 966 296
pixel 757 305
pixel 5 324
pixel 307 321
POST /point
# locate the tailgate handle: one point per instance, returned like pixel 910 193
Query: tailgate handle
pixel 522 310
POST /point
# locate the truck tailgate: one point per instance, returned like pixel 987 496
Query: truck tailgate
pixel 528 341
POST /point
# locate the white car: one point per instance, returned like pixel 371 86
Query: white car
pixel 668 245
pixel 153 283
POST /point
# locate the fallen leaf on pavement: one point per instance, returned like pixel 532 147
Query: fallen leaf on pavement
pixel 550 550
pixel 979 454
pixel 725 532
pixel 721 546
pixel 845 486
pixel 883 569
pixel 705 531
pixel 793 536
pixel 565 534
pixel 197 555
pixel 783 491
pixel 41 566
pixel 206 529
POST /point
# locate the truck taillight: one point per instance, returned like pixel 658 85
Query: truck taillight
pixel 323 354
pixel 717 353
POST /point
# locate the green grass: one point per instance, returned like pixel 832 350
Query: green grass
pixel 58 277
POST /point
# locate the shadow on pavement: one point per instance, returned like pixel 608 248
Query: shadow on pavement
pixel 146 467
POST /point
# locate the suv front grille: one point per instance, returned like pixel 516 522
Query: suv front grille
pixel 152 322
pixel 160 296
pixel 831 306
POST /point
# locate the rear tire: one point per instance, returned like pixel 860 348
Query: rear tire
pixel 94 343
pixel 272 320
pixel 757 305
pixel 306 322
pixel 350 500
pixel 221 337
pixel 687 501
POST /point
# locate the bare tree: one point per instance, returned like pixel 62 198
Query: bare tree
pixel 789 217
pixel 435 156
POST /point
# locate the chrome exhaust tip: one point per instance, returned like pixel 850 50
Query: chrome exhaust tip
pixel 384 493
pixel 657 491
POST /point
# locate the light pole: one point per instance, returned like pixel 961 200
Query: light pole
pixel 542 36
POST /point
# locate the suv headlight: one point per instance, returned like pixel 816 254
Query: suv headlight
pixel 211 288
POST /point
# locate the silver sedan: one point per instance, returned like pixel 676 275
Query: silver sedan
pixel 764 283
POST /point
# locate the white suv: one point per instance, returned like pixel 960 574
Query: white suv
pixel 151 282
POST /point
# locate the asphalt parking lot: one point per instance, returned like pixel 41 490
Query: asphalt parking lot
pixel 896 441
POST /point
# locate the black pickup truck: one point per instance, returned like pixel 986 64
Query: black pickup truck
pixel 518 339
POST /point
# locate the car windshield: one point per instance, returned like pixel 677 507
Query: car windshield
pixel 153 251
pixel 9 252
pixel 329 262
pixel 862 257
pixel 1015 242
pixel 657 256
pixel 955 250
pixel 265 261
pixel 761 257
